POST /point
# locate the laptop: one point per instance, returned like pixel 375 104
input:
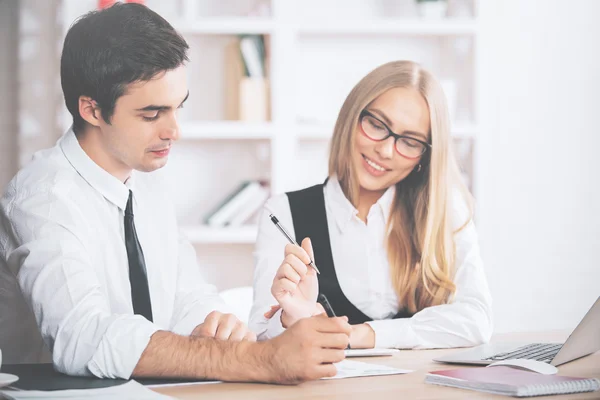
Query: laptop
pixel 584 340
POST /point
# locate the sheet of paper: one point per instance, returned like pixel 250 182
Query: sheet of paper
pixel 128 391
pixel 370 352
pixel 161 385
pixel 352 369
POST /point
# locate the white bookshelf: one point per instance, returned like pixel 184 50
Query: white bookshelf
pixel 207 235
pixel 224 26
pixel 416 27
pixel 215 130
pixel 318 51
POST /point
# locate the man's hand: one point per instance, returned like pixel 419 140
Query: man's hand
pixel 307 350
pixel 224 327
pixel 295 286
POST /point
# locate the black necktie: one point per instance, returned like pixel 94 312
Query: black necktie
pixel 140 294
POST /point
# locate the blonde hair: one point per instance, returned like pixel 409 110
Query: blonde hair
pixel 420 245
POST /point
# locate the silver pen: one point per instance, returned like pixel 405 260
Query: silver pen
pixel 289 238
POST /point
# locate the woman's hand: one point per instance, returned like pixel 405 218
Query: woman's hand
pixel 362 337
pixel 295 286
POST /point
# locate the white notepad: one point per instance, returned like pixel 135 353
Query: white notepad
pixel 370 352
pixel 354 369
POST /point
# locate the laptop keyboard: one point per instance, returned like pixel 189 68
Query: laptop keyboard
pixel 544 352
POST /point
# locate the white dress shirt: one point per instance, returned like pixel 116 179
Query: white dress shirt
pixel 64 272
pixel 362 268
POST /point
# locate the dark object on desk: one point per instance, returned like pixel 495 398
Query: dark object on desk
pixel 321 299
pixel 44 377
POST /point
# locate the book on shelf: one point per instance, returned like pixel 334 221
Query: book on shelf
pixel 239 205
pixel 252 208
pixel 510 381
pixel 247 93
pixel 252 49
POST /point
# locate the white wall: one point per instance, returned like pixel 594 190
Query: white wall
pixel 539 212
pixel 9 12
pixel 29 81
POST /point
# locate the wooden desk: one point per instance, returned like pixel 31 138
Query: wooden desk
pixel 409 386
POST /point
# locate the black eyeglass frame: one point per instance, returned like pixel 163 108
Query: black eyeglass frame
pixel 396 136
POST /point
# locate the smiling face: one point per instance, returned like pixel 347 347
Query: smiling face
pixel 143 127
pixel 378 163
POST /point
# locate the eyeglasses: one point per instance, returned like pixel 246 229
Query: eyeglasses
pixel 376 130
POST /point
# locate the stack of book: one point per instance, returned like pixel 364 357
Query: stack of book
pixel 239 207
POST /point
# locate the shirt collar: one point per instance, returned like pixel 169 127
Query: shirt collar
pixel 386 202
pixel 338 204
pixel 342 209
pixel 107 185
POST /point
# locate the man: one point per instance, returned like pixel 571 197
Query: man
pixel 92 271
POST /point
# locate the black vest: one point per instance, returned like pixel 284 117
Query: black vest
pixel 310 220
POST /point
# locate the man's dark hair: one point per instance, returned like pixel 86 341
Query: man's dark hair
pixel 106 50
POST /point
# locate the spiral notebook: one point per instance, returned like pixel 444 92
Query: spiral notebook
pixel 511 381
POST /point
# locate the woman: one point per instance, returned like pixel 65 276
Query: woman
pixel 391 228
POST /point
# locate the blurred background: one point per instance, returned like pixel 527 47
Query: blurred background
pixel 268 77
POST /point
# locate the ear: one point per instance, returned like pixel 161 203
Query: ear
pixel 89 110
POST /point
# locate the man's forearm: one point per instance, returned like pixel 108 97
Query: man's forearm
pixel 168 354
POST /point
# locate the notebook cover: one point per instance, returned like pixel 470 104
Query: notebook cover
pixel 509 381
pixel 502 375
pixel 44 377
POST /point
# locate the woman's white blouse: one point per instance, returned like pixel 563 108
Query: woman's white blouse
pixel 362 268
